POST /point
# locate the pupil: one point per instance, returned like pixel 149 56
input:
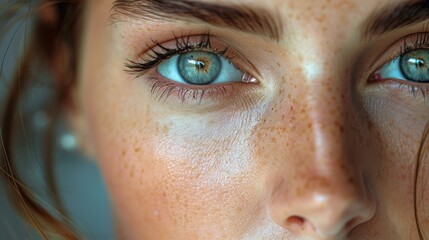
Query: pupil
pixel 200 65
pixel 419 63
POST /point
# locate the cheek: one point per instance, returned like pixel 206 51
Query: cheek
pixel 174 173
pixel 399 129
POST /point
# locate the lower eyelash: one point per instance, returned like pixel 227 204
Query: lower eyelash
pixel 416 91
pixel 162 90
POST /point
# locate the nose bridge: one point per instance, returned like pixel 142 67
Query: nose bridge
pixel 331 135
pixel 323 190
pixel 327 174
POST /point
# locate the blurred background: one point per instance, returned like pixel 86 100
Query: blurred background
pixel 81 187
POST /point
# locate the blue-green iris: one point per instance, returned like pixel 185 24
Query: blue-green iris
pixel 199 67
pixel 415 65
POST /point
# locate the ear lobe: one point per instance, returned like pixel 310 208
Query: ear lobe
pixel 58 49
pixel 80 128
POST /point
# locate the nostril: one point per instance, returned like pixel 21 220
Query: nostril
pixel 295 224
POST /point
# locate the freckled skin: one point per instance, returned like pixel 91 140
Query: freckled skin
pixel 310 154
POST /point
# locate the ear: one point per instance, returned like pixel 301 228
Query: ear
pixel 59 38
pixel 80 127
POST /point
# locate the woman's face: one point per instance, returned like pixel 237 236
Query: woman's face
pixel 248 119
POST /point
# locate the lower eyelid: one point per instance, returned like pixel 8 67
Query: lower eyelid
pixel 162 88
pixel 196 97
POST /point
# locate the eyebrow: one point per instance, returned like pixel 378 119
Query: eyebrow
pixel 390 18
pixel 238 17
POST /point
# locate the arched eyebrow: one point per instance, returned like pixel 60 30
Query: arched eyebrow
pixel 389 17
pixel 239 17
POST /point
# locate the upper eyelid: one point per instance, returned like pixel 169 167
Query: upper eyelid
pixel 147 59
pixel 153 56
pixel 396 49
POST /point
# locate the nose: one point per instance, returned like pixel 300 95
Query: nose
pixel 325 214
pixel 320 191
pixel 321 205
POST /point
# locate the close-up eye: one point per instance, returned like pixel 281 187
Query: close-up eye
pixel 200 68
pixel 411 66
pixel 209 119
pixel 193 67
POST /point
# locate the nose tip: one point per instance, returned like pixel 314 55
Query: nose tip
pixel 328 217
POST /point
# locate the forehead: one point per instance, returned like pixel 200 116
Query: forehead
pixel 272 17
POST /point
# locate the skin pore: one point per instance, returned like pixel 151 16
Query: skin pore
pixel 313 148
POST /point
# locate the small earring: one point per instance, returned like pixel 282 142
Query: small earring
pixel 68 142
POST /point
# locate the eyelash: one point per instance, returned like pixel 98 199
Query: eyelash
pixel 182 45
pixel 409 44
pixel 161 90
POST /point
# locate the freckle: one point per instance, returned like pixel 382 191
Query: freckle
pixel 166 129
pixel 137 150
pixel 321 18
pixel 278 64
pixel 132 172
pixel 273 140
